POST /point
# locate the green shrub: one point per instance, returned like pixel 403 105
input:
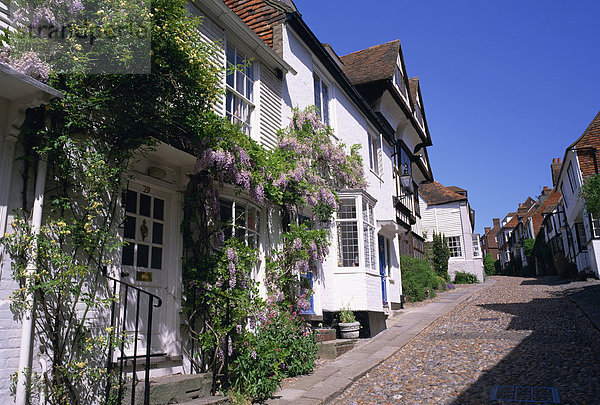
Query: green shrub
pixel 441 255
pixel 488 265
pixel 465 278
pixel 283 345
pixel 417 278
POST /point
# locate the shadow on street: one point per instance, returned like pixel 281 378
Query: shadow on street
pixel 561 351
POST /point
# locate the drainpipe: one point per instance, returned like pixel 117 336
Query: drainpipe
pixel 26 354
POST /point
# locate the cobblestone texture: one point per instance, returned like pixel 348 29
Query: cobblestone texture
pixel 516 332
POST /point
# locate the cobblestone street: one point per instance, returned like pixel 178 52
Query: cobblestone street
pixel 516 332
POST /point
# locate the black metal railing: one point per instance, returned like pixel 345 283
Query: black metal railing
pixel 119 329
pixel 200 318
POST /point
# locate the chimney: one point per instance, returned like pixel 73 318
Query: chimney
pixel 555 169
pixel 496 222
pixel 486 230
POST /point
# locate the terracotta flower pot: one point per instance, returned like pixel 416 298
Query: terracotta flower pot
pixel 349 330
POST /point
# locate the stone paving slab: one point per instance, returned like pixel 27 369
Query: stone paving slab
pixel 331 380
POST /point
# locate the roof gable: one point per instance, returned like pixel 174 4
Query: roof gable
pixel 435 194
pixel 547 206
pixel 372 64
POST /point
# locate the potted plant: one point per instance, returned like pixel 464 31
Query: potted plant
pixel 349 327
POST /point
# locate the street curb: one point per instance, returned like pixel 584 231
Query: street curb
pixel 403 339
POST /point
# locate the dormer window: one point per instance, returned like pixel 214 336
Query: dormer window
pixel 321 98
pixel 240 89
pixel 398 78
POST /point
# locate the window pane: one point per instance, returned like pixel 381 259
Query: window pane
pixel 325 100
pixel 252 220
pixel 240 216
pixel 159 209
pixel 347 209
pixel 369 239
pixel 142 255
pixel 230 65
pixel 348 244
pixel 226 208
pixel 131 201
pixel 127 256
pixel 157 233
pixel 317 89
pixel 156 258
pixel 129 228
pixel 239 75
pixel 145 205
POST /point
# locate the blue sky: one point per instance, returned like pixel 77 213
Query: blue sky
pixel 507 85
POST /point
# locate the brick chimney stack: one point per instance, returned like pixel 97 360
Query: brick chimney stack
pixel 555 168
pixel 496 222
pixel 486 230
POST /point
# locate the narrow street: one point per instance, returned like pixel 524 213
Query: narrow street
pixel 517 332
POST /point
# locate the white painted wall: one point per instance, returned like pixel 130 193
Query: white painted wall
pixel 350 127
pixel 452 219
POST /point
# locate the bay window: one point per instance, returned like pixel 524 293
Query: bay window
pixel 369 235
pixel 347 230
pixel 355 225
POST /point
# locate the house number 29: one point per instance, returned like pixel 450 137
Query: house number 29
pixel 146 189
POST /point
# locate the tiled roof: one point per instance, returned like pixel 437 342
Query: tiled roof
pixel 260 15
pixel 547 206
pixel 372 64
pixel 514 221
pixel 458 190
pixel 589 139
pixel 434 194
pixel 413 87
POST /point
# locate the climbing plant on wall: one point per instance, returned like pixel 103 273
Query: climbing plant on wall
pixel 90 136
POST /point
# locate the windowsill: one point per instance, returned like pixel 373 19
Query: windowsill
pixel 379 176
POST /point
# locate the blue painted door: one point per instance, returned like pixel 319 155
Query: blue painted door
pixel 306 287
pixel 383 268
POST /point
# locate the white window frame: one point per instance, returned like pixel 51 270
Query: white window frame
pixel 375 153
pixel 369 245
pixel 594 227
pixel 456 246
pixel 398 79
pixel 239 99
pixel 343 248
pixel 364 237
pixel 476 246
pixel 240 226
pixel 325 118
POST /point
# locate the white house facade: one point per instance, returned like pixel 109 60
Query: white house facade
pixel 447 212
pixel 580 232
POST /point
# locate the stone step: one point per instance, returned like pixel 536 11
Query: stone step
pixel 172 389
pixel 335 348
pixel 325 334
pixel 216 400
